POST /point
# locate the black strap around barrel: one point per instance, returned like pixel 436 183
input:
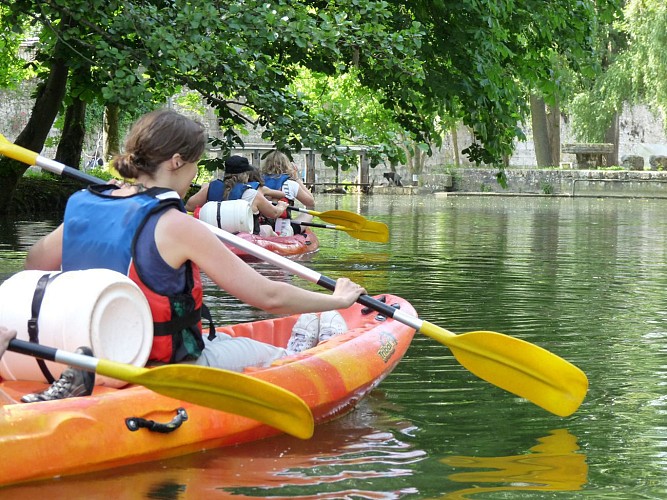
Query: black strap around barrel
pixel 33 327
pixel 217 214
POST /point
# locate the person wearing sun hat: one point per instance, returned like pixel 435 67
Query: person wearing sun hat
pixel 237 164
pixel 236 185
pixel 215 190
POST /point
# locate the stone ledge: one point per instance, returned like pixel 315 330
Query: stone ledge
pixel 550 182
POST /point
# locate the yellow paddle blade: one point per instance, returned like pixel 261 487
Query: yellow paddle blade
pixel 341 218
pixel 17 152
pixel 371 231
pixel 517 366
pixel 375 231
pixel 223 390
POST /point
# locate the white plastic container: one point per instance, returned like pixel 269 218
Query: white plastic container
pixel 233 216
pixel 98 308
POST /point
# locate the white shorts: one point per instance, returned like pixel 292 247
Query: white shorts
pixel 237 353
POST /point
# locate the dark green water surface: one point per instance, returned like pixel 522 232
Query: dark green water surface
pixel 584 278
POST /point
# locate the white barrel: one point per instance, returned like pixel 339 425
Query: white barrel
pixel 98 308
pixel 234 216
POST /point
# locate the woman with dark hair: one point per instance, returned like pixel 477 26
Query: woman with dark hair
pixel 142 230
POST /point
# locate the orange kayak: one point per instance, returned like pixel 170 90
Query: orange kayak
pixel 287 246
pixel 78 435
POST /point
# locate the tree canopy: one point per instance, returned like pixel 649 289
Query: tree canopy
pixel 420 63
pixel 635 69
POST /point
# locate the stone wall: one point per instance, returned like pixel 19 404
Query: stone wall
pixel 15 109
pixel 559 182
pixel 641 133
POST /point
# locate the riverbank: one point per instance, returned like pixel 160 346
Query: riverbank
pixel 548 182
pixel 36 195
pixel 45 194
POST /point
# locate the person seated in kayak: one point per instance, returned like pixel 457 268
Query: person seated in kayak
pixel 5 336
pixel 256 180
pixel 142 230
pixel 282 175
pixel 275 199
pixel 237 185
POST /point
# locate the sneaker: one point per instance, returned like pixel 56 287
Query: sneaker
pixel 331 324
pixel 304 333
pixel 72 383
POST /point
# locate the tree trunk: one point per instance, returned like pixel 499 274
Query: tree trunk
pixel 553 130
pixel 540 131
pixel 74 130
pixel 455 144
pixel 111 137
pixel 419 160
pixel 50 95
pixel 611 137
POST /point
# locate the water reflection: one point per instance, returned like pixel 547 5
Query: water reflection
pixel 583 278
pixel 553 465
pixel 346 458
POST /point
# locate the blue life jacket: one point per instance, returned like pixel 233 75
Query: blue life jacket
pixel 216 190
pixel 275 181
pixel 100 231
pixel 236 193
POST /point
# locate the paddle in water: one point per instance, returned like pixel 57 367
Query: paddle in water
pixel 210 387
pixel 512 364
pixel 339 217
pixel 371 231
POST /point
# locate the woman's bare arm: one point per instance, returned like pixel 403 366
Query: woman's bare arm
pixel 268 209
pixel 47 253
pixel 198 199
pixel 180 238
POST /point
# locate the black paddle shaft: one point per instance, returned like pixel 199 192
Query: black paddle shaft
pixel 32 349
pixel 78 175
pixel 366 300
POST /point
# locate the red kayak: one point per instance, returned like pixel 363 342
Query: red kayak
pixel 235 217
pixel 287 246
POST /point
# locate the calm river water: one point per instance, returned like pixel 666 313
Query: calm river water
pixel 584 278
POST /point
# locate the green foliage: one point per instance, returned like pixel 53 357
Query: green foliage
pixel 102 173
pixel 620 68
pixel 391 74
pixel 644 64
pixel 483 57
pixel 547 188
pixel 358 116
pixel 43 193
pixel 191 102
pixel 13 30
